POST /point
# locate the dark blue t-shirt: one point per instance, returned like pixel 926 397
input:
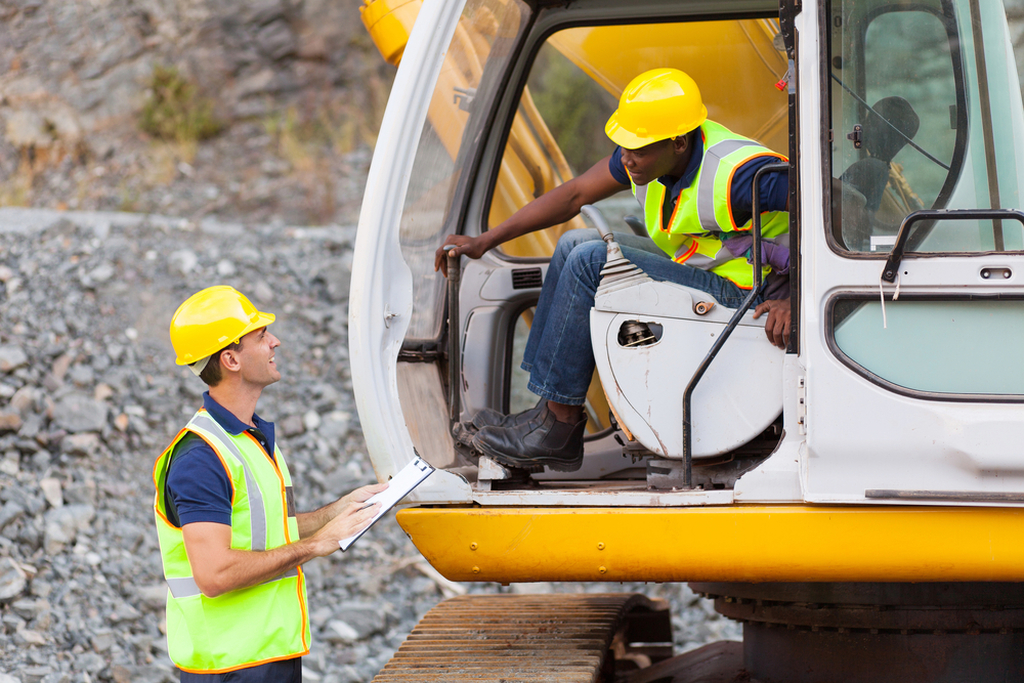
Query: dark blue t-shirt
pixel 774 187
pixel 198 487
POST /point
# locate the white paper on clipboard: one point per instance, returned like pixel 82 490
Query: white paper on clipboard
pixel 408 478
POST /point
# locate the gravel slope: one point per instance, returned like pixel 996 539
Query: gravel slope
pixel 89 395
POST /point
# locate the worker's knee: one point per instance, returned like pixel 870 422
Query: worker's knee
pixel 572 239
pixel 586 260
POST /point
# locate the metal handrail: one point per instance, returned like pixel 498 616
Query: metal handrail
pixel 727 332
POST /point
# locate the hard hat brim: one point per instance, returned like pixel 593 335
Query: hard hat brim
pixel 629 140
pixel 260 319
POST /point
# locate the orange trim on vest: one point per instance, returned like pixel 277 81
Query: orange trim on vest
pixel 728 204
pixel 250 665
pixel 689 252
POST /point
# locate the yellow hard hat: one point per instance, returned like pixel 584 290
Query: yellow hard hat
pixel 210 320
pixel 656 105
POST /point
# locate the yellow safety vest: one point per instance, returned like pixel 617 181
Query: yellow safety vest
pixel 249 626
pixel 702 217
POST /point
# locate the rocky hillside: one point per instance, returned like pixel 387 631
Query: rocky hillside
pixel 271 114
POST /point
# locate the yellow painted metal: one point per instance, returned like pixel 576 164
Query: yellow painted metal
pixel 389 23
pixel 738 543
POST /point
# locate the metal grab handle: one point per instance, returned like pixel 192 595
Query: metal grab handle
pixel 454 353
pixel 892 264
pixel 727 332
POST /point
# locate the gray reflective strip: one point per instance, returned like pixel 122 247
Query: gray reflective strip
pixel 702 262
pixel 706 185
pixel 257 514
pixel 183 588
pixel 640 192
pixel 188 588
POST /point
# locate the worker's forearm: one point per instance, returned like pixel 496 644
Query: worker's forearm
pixel 244 568
pixel 552 208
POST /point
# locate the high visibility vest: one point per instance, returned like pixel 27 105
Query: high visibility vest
pixel 248 626
pixel 702 218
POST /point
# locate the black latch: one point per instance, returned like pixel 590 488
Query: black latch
pixel 856 136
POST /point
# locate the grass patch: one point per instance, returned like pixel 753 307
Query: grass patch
pixel 175 111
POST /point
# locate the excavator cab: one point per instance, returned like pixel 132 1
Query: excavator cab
pixel 863 488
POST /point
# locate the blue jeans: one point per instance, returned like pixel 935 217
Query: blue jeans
pixel 559 355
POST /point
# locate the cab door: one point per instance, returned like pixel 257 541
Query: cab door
pixel 914 383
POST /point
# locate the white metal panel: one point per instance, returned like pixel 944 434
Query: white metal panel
pixel 380 301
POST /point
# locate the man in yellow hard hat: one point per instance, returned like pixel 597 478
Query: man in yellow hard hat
pixel 693 177
pixel 231 542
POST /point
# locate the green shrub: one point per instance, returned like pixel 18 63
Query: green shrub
pixel 175 110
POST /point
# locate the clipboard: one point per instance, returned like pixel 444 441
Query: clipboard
pixel 408 478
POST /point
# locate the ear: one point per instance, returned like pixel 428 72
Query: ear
pixel 680 144
pixel 229 361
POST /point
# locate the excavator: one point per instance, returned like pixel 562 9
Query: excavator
pixel 855 499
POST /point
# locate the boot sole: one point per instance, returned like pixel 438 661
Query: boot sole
pixel 556 464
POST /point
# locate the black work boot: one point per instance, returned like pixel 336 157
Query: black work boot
pixel 489 417
pixel 541 440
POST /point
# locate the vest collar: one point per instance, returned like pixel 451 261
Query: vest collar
pixel 232 425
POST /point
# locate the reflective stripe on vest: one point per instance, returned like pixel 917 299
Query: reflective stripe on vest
pixel 702 219
pixel 247 626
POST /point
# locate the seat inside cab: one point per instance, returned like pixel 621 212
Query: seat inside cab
pixel 557 131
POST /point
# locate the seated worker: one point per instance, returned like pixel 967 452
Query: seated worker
pixel 693 178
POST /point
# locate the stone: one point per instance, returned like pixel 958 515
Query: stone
pixel 85 444
pixel 52 491
pixel 335 426
pixel 364 618
pixel 7 678
pixel 12 357
pixel 337 279
pixel 101 642
pixel 35 674
pixel 81 492
pixel 153 596
pixel 9 512
pixel 338 631
pixel 61 526
pixel 26 636
pixel 13 579
pixel 311 420
pixel 183 260
pixel 225 268
pixel 80 413
pixel 24 399
pixel 10 463
pixel 277 40
pixel 292 425
pixel 10 421
pixel 82 375
pixel 29 609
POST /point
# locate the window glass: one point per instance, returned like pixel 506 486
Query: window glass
pixel 896 115
pixel 478 50
pixel 574 85
pixel 954 347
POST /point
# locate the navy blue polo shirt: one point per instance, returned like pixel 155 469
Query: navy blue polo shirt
pixel 774 186
pixel 198 487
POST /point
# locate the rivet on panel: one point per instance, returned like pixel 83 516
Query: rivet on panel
pixel 601 570
pixel 476 570
pixel 600 546
pixel 472 546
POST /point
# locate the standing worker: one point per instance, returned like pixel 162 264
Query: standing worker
pixel 693 177
pixel 230 539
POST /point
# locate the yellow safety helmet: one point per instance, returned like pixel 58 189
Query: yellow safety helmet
pixel 212 319
pixel 656 105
